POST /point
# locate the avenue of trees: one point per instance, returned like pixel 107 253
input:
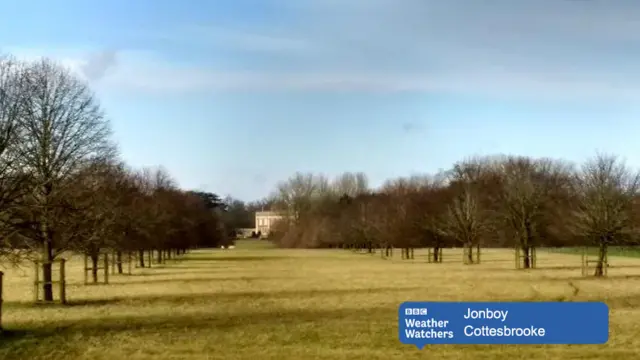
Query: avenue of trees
pixel 493 201
pixel 64 188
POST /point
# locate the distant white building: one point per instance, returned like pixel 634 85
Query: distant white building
pixel 265 220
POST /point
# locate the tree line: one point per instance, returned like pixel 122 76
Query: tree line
pixel 491 201
pixel 63 186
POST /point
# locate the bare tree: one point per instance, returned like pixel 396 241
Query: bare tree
pixel 62 128
pixel 527 187
pixel 158 186
pixel 350 184
pixel 13 180
pixel 429 208
pixel 607 191
pixel 401 222
pixel 466 219
pixel 97 193
pixel 296 195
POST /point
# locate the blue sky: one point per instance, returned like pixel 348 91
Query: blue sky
pixel 232 96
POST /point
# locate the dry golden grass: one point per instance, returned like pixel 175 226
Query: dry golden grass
pixel 253 303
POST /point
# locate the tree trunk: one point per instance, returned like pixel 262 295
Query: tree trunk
pixel 526 248
pixel 470 253
pixel 141 258
pixel 602 254
pixel 526 257
pixel 436 253
pixel 94 266
pixel 159 257
pixel 47 267
pixel 119 261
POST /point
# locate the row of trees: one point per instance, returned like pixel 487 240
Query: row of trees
pixel 63 187
pixel 494 201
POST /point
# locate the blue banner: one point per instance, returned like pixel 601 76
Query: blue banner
pixel 426 323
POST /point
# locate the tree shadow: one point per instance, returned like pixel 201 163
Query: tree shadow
pixel 199 265
pixel 70 303
pixel 28 339
pixel 175 270
pixel 198 298
pixel 232 258
pixel 558 267
pixel 195 280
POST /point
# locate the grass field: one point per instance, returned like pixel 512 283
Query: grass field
pixel 258 303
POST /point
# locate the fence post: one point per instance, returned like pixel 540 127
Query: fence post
pixel 534 259
pixel 106 267
pixel 1 275
pixel 36 283
pixel 63 283
pixel 86 269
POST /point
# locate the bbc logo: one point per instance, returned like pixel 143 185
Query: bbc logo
pixel 415 311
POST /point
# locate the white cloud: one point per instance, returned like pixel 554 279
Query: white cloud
pixel 99 64
pixel 544 49
pixel 89 64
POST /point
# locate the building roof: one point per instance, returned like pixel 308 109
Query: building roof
pixel 268 213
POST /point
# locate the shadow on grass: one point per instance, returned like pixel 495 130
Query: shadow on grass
pixel 578 267
pixel 605 278
pixel 20 341
pixel 195 280
pixel 176 270
pixel 53 305
pixel 8 335
pixel 216 298
pixel 232 258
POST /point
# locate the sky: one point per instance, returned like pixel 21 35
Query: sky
pixel 232 96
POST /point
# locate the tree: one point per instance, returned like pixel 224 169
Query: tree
pixel 350 184
pixel 429 206
pixel 237 216
pixel 212 201
pixel 528 185
pixel 296 195
pixel 13 180
pixel 62 128
pixel 97 194
pixel 466 220
pixel 607 192
pixel 159 187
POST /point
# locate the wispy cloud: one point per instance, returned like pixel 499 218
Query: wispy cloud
pixel 98 64
pixel 252 40
pixel 548 49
